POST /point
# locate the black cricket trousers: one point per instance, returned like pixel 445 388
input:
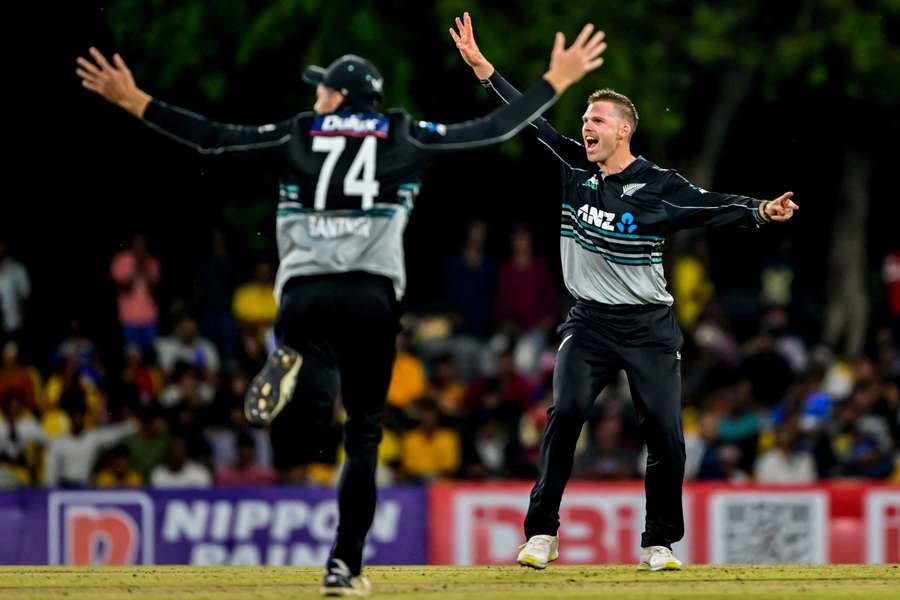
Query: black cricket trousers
pixel 345 328
pixel 599 340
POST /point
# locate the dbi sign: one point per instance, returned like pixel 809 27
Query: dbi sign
pixel 882 515
pixel 484 525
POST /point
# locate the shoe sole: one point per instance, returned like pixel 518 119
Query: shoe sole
pixel 280 373
pixel 669 566
pixel 362 591
pixel 534 563
pixel 342 593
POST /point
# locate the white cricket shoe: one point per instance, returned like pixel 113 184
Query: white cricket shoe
pixel 338 581
pixel 539 551
pixel 658 558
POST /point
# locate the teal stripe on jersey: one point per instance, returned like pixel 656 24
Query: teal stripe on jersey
pixel 608 257
pixel 372 212
pixel 626 236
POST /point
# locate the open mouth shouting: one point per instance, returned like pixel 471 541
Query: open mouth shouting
pixel 590 143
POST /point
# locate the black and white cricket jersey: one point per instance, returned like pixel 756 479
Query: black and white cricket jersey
pixel 348 181
pixel 613 228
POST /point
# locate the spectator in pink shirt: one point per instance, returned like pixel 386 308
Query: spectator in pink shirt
pixel 136 272
pixel 527 294
pixel 246 470
pixel 527 301
pixel 891 275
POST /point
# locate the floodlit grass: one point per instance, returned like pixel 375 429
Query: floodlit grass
pixel 748 582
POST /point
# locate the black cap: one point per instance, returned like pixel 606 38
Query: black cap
pixel 355 77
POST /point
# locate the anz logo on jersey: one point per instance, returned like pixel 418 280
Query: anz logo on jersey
pixel 594 216
pixel 350 125
pixel 604 220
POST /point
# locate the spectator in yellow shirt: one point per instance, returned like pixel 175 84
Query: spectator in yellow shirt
pixel 68 380
pixel 431 451
pixel 446 387
pixel 408 379
pixel 254 301
pixel 117 470
pixel 691 285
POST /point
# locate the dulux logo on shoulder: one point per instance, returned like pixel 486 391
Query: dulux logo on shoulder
pixel 350 125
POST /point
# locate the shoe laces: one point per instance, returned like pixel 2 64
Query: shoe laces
pixel 665 552
pixel 541 543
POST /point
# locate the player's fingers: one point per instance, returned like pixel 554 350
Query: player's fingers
pixel 120 64
pixel 594 53
pixel 792 205
pixel 784 197
pixel 594 64
pixel 559 42
pixel 584 35
pixel 86 76
pixel 101 60
pixel 455 37
pixel 595 40
pixel 91 86
pixel 468 21
pixel 87 65
pixel 461 27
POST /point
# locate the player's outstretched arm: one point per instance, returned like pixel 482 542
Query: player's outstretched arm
pixel 567 150
pixel 691 206
pixel 115 83
pixel 567 66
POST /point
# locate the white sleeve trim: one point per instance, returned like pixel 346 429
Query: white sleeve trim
pixel 487 142
pixel 720 206
pixel 549 147
pixel 220 149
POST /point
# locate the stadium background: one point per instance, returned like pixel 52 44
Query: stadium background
pixel 755 100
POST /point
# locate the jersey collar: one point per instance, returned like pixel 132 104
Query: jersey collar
pixel 637 165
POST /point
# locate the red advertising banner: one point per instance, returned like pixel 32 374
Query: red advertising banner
pixel 601 523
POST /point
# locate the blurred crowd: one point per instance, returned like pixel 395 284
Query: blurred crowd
pixel 471 384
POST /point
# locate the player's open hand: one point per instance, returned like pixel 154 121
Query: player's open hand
pixel 568 65
pixel 465 43
pixel 781 208
pixel 114 82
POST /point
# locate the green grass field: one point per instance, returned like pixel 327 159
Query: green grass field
pixel 445 583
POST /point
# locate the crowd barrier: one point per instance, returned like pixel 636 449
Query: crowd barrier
pixel 444 523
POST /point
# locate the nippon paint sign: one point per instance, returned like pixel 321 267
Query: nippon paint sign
pixel 221 526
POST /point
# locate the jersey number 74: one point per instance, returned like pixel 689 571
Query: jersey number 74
pixel 360 179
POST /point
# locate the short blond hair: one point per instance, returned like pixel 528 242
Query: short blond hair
pixel 621 101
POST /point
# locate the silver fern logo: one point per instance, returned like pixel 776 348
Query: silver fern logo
pixel 630 188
